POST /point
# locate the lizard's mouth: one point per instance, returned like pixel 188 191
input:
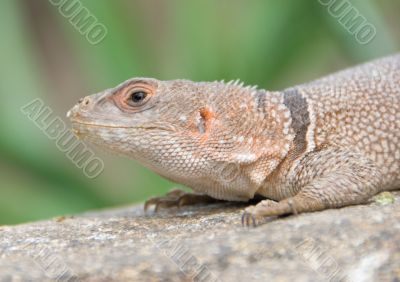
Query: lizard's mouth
pixel 85 126
pixel 111 137
pixel 116 126
pixel 83 129
pixel 76 123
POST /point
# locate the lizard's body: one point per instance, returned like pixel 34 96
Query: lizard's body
pixel 328 143
pixel 357 109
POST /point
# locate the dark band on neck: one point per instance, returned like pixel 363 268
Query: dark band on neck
pixel 298 108
pixel 260 100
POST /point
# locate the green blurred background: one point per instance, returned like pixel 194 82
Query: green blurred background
pixel 273 44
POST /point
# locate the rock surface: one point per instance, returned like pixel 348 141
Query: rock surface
pixel 206 243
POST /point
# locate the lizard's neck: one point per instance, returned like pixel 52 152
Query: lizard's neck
pixel 257 132
pixel 301 144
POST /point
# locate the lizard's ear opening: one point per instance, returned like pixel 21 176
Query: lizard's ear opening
pixel 204 119
pixel 134 97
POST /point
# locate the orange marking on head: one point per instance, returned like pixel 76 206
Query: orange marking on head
pixel 201 125
pixel 206 116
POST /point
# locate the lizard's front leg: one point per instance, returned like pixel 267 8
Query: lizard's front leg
pixel 329 179
pixel 177 198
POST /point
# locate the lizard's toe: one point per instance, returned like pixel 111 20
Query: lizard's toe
pixel 161 202
pixel 177 198
pixel 166 203
pixel 175 193
pixel 193 199
pixel 149 202
pixel 249 219
pixel 171 199
pixel 254 214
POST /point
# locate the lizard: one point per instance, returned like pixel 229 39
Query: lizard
pixel 328 143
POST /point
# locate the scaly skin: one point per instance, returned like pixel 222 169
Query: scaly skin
pixel 326 144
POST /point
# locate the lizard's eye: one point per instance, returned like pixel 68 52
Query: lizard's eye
pixel 134 97
pixel 137 97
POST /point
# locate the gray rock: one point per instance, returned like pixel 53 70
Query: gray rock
pixel 206 243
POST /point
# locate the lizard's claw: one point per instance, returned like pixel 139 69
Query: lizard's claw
pixel 254 214
pixel 177 198
pixel 159 202
pixel 248 218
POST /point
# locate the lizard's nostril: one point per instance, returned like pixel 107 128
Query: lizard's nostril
pixel 84 101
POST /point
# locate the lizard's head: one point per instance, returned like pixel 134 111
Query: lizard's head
pixel 189 132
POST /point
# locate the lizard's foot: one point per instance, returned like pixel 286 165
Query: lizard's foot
pixel 177 198
pixel 253 214
pixel 345 178
pixel 266 208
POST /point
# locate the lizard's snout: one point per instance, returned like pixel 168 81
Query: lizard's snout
pixel 78 115
pixel 83 105
pixel 85 101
